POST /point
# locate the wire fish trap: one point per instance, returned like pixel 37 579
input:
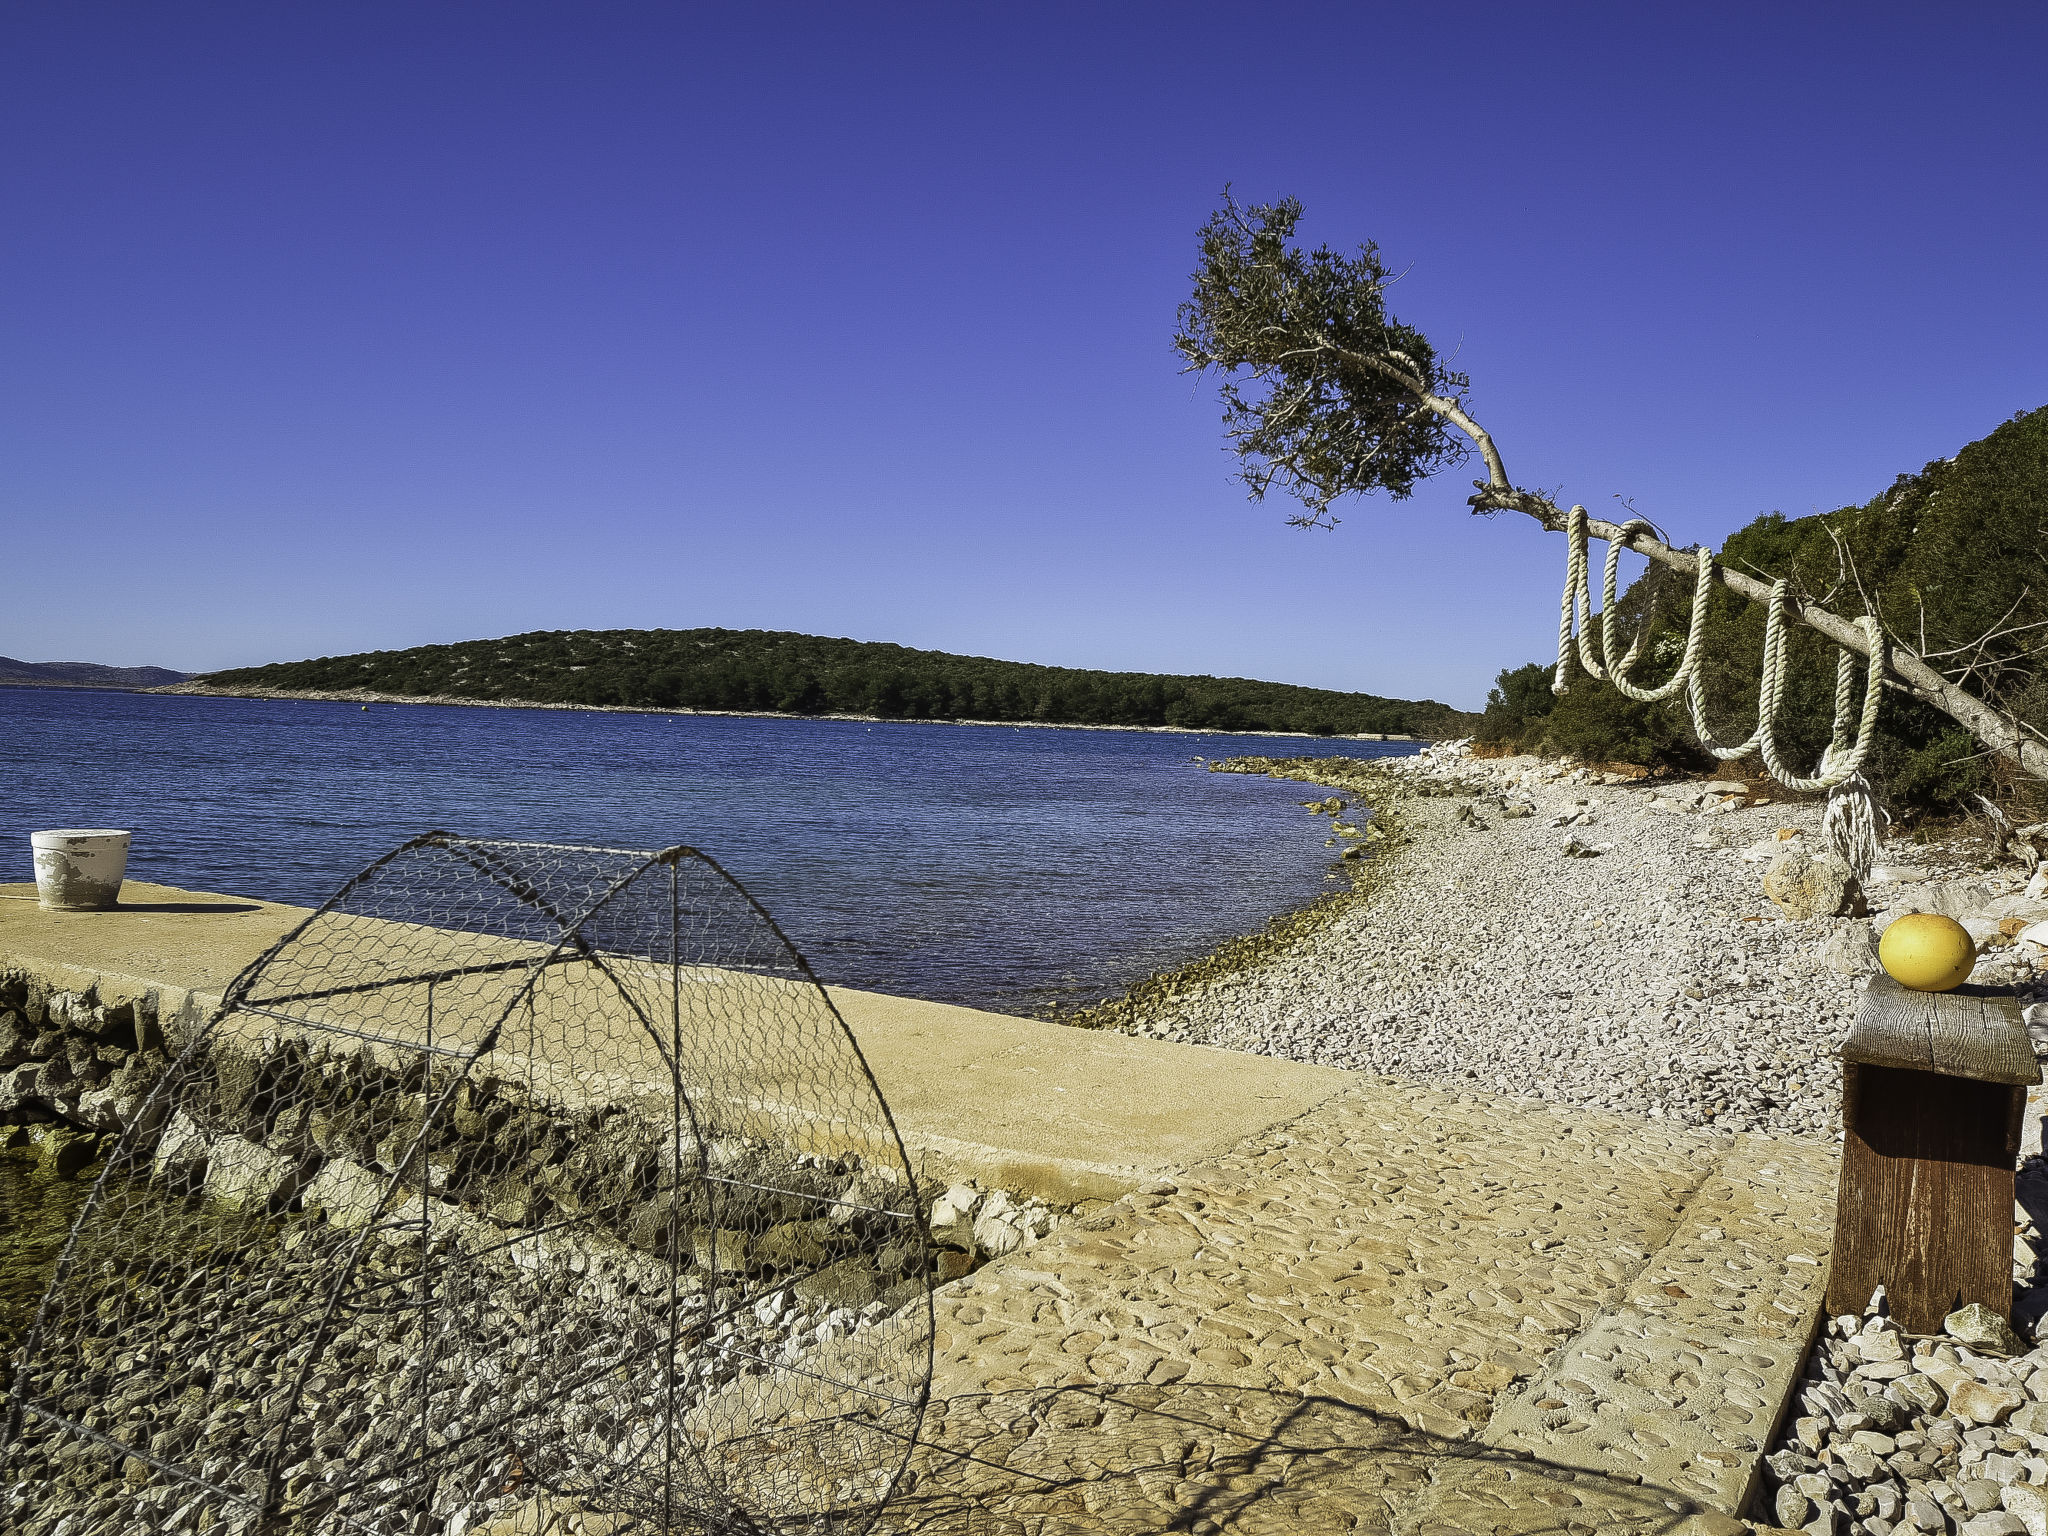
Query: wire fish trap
pixel 518 1182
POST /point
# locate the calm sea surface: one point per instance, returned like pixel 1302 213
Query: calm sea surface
pixel 1002 867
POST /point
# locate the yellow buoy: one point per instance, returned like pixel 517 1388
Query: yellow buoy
pixel 1927 952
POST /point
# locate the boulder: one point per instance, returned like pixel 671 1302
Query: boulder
pixel 999 1226
pixel 1887 1415
pixel 182 1149
pixel 241 1176
pixel 849 1283
pixel 726 1250
pixel 1982 930
pixel 345 1193
pixel 2028 1505
pixel 793 1245
pixel 952 1223
pixel 1803 887
pixel 64 1153
pixel 2030 908
pixel 15 1040
pixel 651 1225
pixel 868 1190
pixel 1976 1403
pixel 98 1108
pixel 1982 1329
pixel 1959 899
pixel 610 1168
pixel 1918 1393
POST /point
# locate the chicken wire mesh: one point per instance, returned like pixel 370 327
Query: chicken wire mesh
pixel 520 1182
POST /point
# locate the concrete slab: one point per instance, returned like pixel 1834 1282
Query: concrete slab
pixel 1440 1286
pixel 1066 1113
pixel 1037 1108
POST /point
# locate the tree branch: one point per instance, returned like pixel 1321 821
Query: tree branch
pixel 1998 732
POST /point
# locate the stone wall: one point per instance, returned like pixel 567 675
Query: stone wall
pixel 321 1130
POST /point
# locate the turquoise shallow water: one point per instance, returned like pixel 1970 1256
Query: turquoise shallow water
pixel 1007 868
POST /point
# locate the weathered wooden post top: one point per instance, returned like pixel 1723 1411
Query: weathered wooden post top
pixel 1934 1085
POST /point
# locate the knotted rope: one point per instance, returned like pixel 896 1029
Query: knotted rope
pixel 1843 759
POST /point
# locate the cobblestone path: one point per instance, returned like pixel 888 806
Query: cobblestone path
pixel 1405 1311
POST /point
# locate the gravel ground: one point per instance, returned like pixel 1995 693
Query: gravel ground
pixel 1895 1433
pixel 1649 977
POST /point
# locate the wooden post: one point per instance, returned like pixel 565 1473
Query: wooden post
pixel 1933 1088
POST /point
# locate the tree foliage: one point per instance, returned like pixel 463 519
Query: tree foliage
pixel 768 671
pixel 1328 402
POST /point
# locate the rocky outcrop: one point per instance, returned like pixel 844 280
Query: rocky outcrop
pixel 1805 886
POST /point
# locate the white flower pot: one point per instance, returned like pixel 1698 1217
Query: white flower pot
pixel 79 870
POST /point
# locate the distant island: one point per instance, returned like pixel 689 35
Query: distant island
pixel 754 671
pixel 83 674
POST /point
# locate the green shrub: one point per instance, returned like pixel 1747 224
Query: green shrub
pixel 1940 776
pixel 1519 701
pixel 1596 723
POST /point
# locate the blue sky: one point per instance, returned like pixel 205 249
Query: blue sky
pixel 326 329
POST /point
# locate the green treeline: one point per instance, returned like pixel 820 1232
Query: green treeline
pixel 1954 560
pixel 765 670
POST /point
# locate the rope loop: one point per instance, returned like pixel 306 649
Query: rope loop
pixel 1844 757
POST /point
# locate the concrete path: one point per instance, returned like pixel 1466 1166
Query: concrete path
pixel 1306 1300
pixel 1036 1108
pixel 1402 1312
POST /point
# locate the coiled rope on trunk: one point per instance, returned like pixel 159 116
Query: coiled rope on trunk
pixel 1844 757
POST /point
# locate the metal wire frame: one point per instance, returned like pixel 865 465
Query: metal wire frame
pixel 573 913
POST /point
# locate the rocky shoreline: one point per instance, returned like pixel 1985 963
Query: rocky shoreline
pixel 1545 931
pixel 371 696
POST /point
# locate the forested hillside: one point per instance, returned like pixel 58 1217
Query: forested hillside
pixel 765 670
pixel 83 674
pixel 1953 559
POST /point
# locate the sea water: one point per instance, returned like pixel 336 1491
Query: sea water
pixel 1004 867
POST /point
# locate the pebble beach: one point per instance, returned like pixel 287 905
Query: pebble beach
pixel 1563 934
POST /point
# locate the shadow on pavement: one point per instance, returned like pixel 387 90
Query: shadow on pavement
pixel 1143 1459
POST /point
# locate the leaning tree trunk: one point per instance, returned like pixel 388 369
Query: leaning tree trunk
pixel 1997 732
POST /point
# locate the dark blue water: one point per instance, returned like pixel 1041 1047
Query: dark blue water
pixel 1001 867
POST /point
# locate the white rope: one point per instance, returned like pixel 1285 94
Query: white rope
pixel 1843 758
pixel 1848 828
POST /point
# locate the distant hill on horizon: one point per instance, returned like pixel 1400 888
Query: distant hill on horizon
pixel 83 674
pixel 775 672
